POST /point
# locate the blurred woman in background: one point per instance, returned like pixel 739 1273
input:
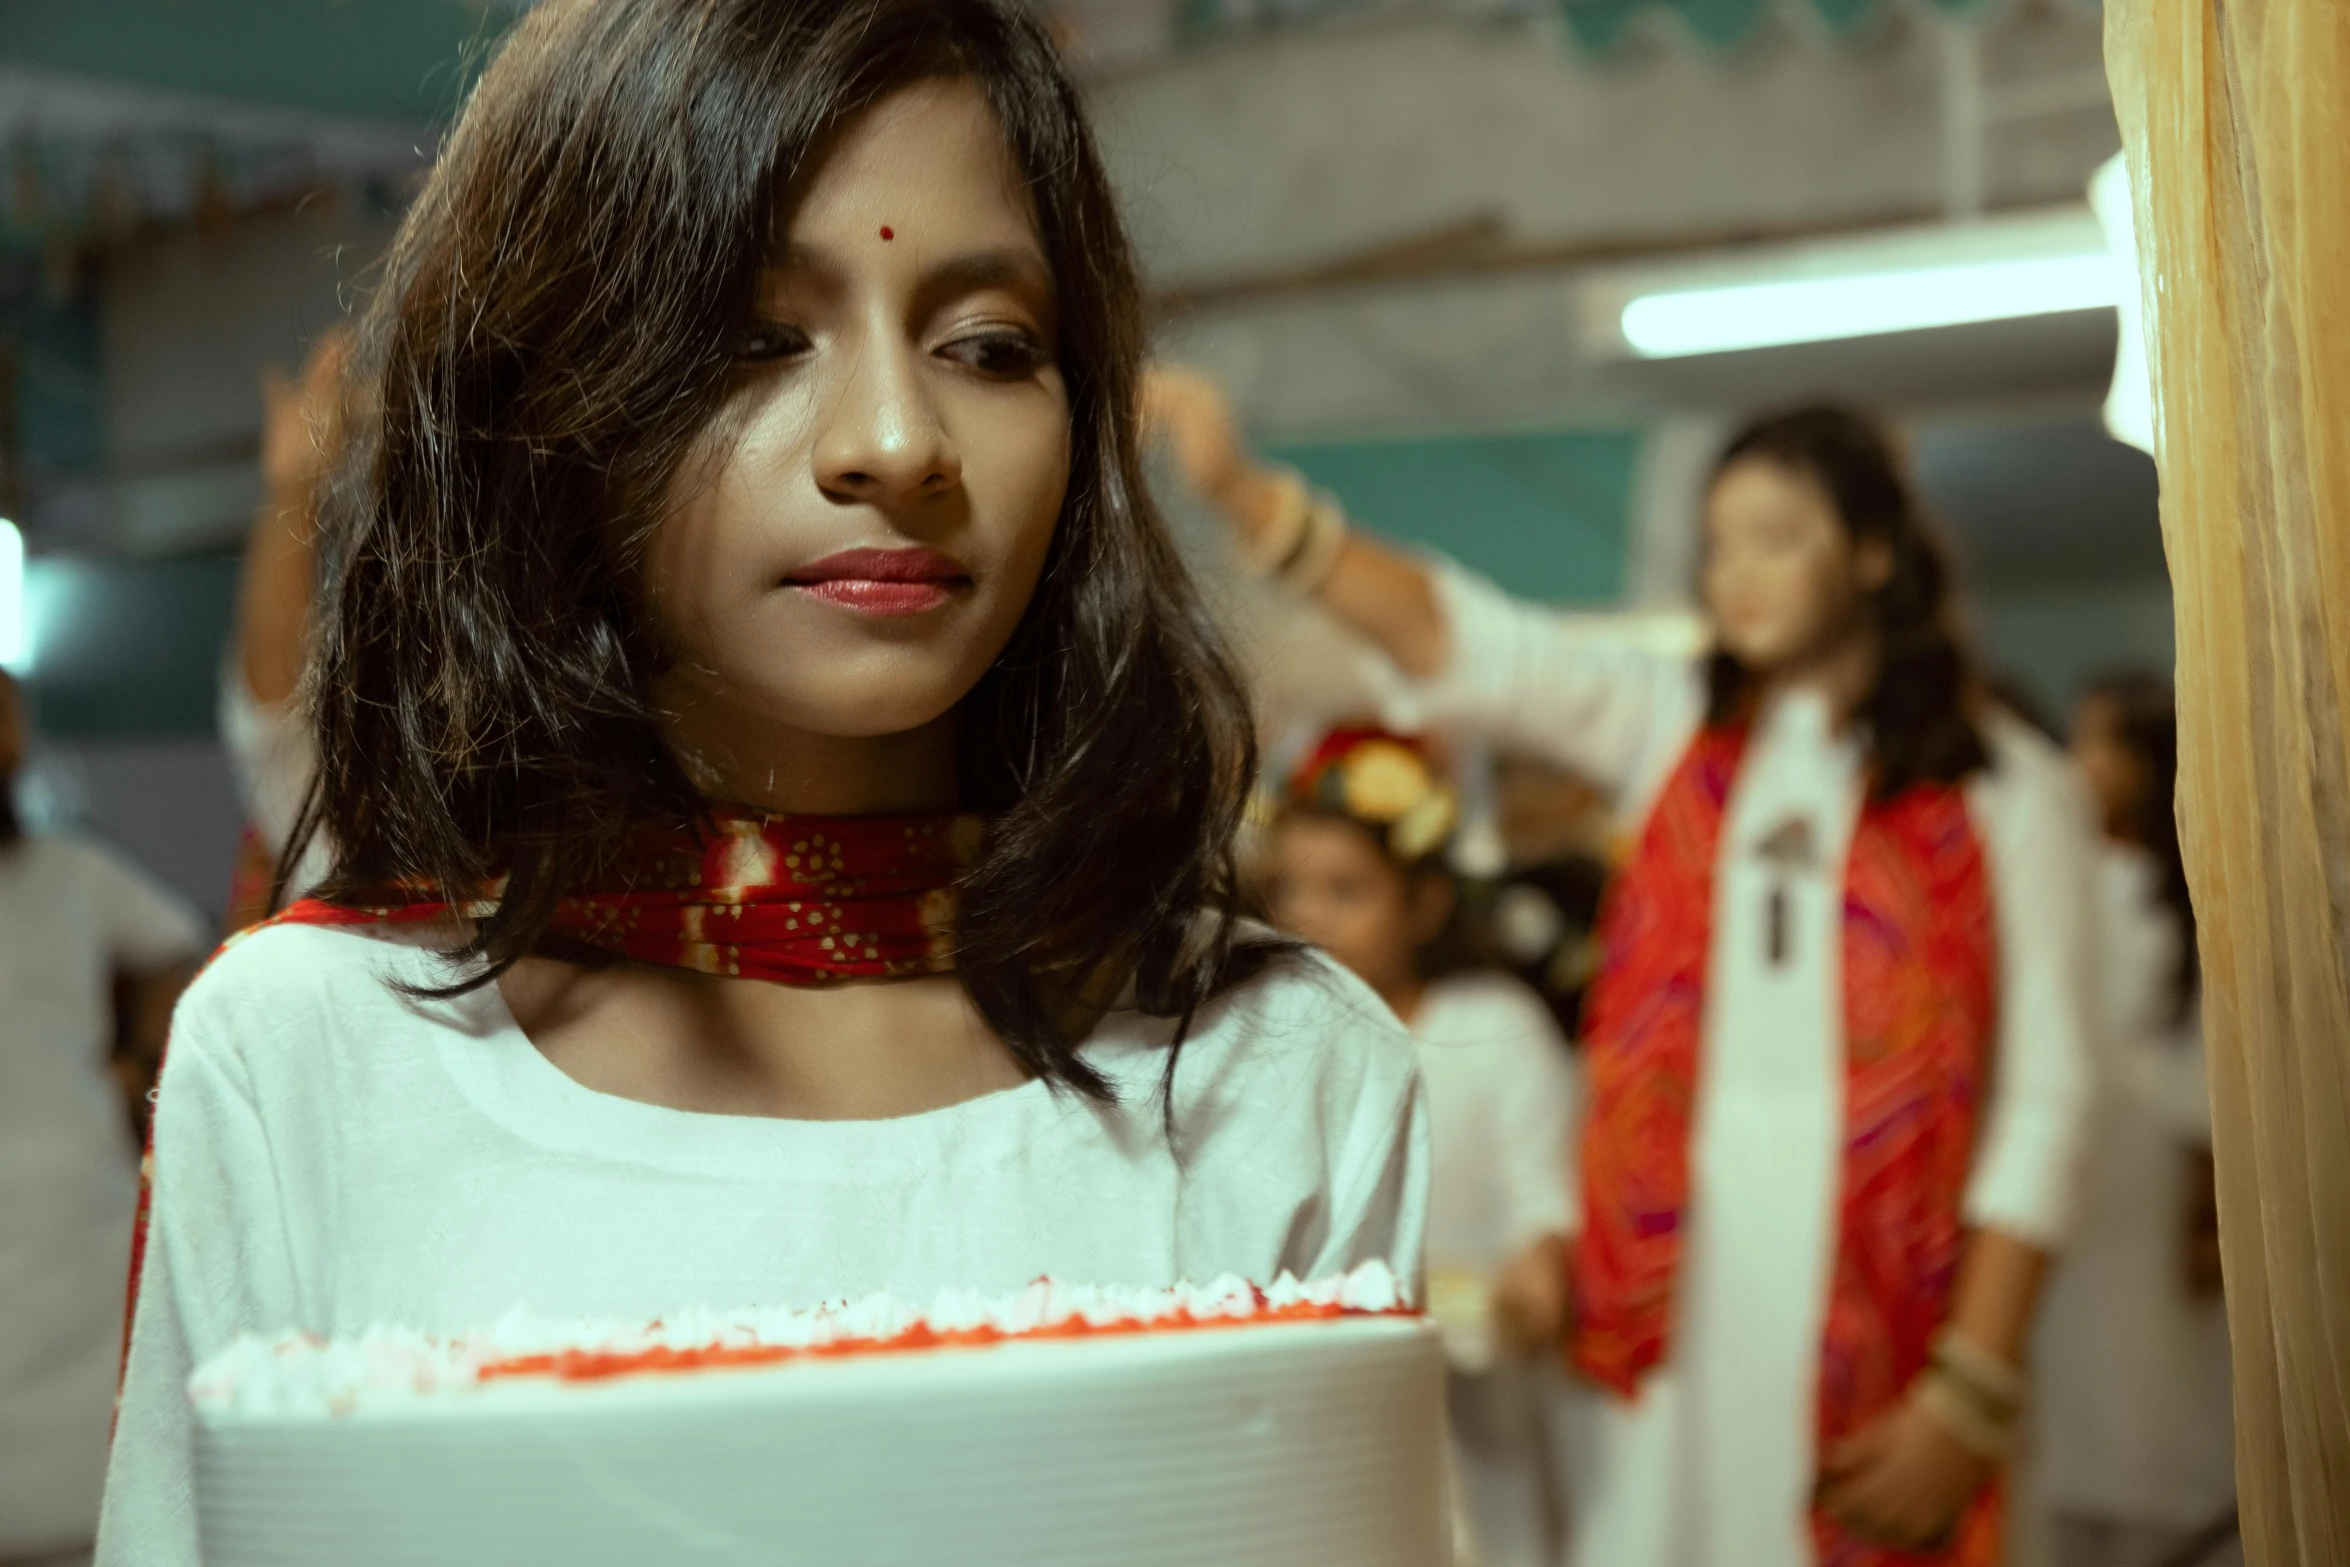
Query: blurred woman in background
pixel 81 930
pixel 1359 870
pixel 1838 1047
pixel 2136 1451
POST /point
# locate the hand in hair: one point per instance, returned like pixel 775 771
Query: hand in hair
pixel 1377 589
pixel 301 436
pixel 1191 411
pixel 302 420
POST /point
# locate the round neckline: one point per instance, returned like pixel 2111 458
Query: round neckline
pixel 507 1078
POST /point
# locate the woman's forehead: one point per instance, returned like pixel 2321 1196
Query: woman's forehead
pixel 926 166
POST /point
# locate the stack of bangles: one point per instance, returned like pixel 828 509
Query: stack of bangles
pixel 1299 544
pixel 1972 1393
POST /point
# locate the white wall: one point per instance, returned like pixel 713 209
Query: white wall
pixel 1292 149
pixel 1249 160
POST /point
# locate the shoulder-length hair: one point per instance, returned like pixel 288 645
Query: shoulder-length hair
pixel 555 329
pixel 1918 715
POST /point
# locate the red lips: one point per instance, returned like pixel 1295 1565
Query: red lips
pixel 882 582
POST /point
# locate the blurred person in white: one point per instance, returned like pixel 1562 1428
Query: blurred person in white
pixel 2135 1447
pixel 1358 869
pixel 1837 1056
pixel 76 922
pixel 260 679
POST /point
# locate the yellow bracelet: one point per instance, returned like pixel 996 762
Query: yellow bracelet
pixel 1969 1425
pixel 1275 544
pixel 1996 1385
pixel 1318 548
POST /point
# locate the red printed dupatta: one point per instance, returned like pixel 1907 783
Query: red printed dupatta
pixel 1919 999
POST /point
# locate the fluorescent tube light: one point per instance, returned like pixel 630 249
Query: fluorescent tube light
pixel 1672 323
pixel 16 639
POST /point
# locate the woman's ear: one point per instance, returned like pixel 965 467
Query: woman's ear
pixel 1430 906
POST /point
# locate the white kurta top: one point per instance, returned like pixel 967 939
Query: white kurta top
pixel 2133 1395
pixel 1501 1108
pixel 1501 1105
pixel 331 1155
pixel 1714 1463
pixel 72 915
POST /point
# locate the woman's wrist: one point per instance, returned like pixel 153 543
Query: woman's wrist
pixel 1973 1394
pixel 1290 532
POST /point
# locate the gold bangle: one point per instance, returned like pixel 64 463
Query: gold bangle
pixel 1969 1425
pixel 1272 546
pixel 1320 543
pixel 1995 1384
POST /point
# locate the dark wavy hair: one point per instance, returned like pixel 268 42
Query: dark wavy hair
pixel 1919 711
pixel 2146 721
pixel 554 330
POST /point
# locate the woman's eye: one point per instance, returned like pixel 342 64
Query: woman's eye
pixel 1001 355
pixel 771 340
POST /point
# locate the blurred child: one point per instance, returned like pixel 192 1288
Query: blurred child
pixel 2136 1450
pixel 1358 869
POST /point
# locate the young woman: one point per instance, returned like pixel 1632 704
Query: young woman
pixel 739 563
pixel 2135 1449
pixel 1358 870
pixel 1836 1054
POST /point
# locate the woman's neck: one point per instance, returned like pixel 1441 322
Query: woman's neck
pixel 1403 997
pixel 746 758
pixel 1841 670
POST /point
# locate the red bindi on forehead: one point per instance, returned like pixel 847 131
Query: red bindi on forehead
pixel 887 232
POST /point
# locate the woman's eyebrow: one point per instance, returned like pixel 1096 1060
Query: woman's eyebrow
pixel 978 269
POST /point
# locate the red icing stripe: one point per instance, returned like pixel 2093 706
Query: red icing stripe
pixel 588 1365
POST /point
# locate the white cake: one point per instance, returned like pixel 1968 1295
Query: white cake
pixel 1289 1427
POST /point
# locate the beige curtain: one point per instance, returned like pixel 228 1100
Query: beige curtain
pixel 2235 117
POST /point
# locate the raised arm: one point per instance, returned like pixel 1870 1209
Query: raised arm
pixel 1462 654
pixel 1375 588
pixel 300 433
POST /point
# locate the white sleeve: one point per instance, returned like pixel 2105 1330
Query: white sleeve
pixel 2041 839
pixel 217 1264
pixel 1521 675
pixel 147 927
pixel 1537 1126
pixel 270 752
pixel 1378 1203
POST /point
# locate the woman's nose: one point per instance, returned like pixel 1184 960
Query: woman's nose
pixel 882 439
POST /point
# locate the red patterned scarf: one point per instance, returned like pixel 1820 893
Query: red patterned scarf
pixel 1919 1006
pixel 796 900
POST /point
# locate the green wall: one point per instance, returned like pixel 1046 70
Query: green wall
pixel 128 647
pixel 379 59
pixel 1545 513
